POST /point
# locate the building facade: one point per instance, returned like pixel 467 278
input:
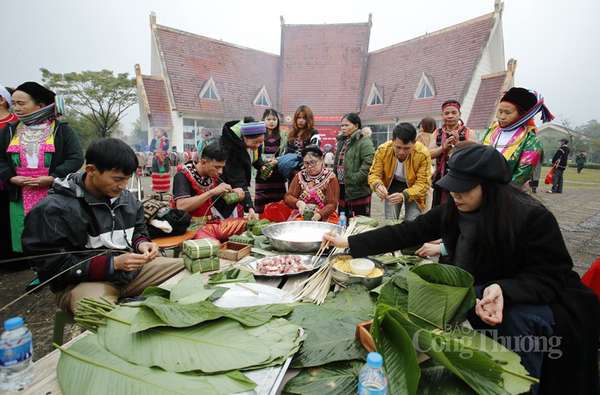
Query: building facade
pixel 197 83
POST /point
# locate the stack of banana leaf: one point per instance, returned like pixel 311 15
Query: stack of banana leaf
pixel 418 315
pixel 175 341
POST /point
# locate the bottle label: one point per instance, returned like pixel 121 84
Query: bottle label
pixel 14 355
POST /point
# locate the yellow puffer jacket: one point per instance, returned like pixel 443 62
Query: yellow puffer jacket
pixel 417 169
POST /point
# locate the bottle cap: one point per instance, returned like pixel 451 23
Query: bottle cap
pixel 13 323
pixel 374 360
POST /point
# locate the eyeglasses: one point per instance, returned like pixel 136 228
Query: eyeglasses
pixel 310 163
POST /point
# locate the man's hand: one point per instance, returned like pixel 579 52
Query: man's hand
pixel 20 181
pixel 273 161
pixel 130 262
pixel 221 189
pixel 449 143
pixel 396 198
pixel 149 249
pixel 429 249
pixel 40 182
pixel 491 306
pixel 381 191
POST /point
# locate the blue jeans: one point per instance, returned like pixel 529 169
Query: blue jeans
pixel 557 180
pixel 525 328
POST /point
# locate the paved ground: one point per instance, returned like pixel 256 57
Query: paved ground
pixel 577 211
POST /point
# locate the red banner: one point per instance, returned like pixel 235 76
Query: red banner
pixel 328 134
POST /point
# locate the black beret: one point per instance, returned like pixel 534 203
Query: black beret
pixel 522 98
pixel 38 92
pixel 472 165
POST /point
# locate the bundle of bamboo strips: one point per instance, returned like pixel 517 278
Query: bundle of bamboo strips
pixel 316 287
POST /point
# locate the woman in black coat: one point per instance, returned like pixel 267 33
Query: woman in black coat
pixel 513 247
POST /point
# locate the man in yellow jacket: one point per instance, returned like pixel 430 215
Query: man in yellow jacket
pixel 401 173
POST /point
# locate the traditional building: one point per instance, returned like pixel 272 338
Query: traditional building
pixel 196 83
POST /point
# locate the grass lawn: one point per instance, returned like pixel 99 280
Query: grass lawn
pixel 588 178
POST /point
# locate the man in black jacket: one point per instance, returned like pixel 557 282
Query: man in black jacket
pixel 559 161
pixel 93 210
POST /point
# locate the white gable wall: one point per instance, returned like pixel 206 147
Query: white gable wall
pixel 492 61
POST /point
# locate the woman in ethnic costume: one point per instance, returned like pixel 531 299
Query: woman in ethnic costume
pixel 353 159
pixel 270 188
pixel 443 140
pixel 314 184
pixel 34 151
pixel 514 134
pixel 161 176
pixel 6 117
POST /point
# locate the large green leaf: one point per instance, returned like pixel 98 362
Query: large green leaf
pixel 399 356
pixel 514 374
pixel 191 290
pixel 339 378
pixel 86 368
pixel 436 292
pixel 156 291
pixel 394 292
pixel 330 327
pixel 479 369
pixel 157 311
pixel 215 346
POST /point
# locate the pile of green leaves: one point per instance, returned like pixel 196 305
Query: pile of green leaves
pixel 418 310
pixel 330 327
pixel 177 341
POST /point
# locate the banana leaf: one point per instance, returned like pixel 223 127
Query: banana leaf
pixel 396 347
pixel 216 346
pixel 157 311
pixel 394 292
pixel 439 294
pixel 339 378
pixel 484 365
pixel 191 290
pixel 156 291
pixel 232 275
pixel 86 368
pixel 330 327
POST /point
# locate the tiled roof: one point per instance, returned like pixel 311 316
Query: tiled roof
pixel 239 73
pixel 448 57
pixel 486 101
pixel 323 67
pixel 160 112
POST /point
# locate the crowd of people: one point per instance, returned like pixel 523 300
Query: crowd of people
pixel 463 202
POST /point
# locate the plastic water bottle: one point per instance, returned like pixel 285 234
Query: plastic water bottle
pixel 16 353
pixel 343 221
pixel 371 380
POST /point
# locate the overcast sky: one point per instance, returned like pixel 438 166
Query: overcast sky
pixel 556 43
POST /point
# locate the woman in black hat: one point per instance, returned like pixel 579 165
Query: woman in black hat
pixel 514 133
pixel 34 151
pixel 514 249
